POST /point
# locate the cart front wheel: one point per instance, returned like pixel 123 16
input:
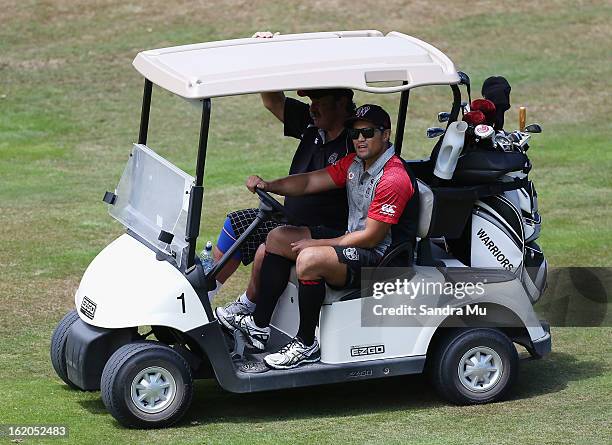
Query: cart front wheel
pixel 146 385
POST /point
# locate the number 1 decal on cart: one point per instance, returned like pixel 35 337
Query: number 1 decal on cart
pixel 182 298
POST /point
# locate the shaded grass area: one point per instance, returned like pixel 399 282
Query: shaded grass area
pixel 69 107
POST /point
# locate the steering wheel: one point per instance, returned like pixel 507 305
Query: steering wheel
pixel 277 207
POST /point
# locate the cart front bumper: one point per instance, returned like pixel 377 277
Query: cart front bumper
pixel 88 348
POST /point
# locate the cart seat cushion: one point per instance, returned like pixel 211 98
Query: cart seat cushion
pixel 426 205
pixel 332 295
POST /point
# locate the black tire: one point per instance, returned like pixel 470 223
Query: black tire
pixel 58 346
pixel 445 371
pixel 124 366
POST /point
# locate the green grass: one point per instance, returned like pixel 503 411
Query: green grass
pixel 559 400
pixel 69 110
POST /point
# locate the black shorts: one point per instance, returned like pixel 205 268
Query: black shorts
pixel 354 257
pixel 240 220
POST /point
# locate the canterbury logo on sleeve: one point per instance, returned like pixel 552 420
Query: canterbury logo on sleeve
pixel 388 209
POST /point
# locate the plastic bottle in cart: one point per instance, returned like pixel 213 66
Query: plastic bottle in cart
pixel 207 257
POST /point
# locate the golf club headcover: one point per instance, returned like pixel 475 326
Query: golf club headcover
pixel 474 118
pixel 497 90
pixel 487 108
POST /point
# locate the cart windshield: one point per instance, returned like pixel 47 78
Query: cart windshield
pixel 153 195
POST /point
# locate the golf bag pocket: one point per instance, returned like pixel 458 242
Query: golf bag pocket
pixel 532 227
pixel 495 241
pixel 527 201
pixel 535 271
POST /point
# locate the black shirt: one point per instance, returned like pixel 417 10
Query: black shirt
pixel 328 208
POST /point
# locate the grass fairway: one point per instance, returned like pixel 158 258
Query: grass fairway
pixel 69 111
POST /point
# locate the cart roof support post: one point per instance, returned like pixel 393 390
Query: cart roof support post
pixel 456 105
pixel 197 191
pixel 401 120
pixel 144 114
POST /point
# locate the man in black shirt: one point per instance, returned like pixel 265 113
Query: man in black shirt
pixel 323 140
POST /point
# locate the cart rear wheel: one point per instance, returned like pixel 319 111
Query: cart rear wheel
pixel 58 346
pixel 475 366
pixel 146 385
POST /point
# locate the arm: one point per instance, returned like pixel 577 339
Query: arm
pixel 275 103
pixel 367 238
pixel 331 177
pixel 295 185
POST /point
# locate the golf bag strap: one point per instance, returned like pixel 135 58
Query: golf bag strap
pixel 480 191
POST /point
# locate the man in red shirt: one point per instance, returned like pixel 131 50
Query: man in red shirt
pixel 378 189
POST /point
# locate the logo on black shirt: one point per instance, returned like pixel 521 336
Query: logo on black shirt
pixel 332 158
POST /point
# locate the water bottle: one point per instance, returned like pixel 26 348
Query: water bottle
pixel 207 257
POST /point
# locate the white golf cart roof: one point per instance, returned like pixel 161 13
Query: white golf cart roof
pixel 349 59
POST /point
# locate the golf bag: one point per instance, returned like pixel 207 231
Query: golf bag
pixel 485 216
pixel 503 232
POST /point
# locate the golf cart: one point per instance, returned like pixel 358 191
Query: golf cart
pixel 151 278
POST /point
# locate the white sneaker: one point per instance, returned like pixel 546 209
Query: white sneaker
pixel 227 314
pixel 294 354
pixel 255 336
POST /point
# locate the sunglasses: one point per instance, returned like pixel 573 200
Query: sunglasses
pixel 367 133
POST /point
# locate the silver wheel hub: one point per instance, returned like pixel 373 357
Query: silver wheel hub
pixel 153 389
pixel 480 369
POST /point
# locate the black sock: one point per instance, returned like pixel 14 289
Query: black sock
pixel 311 294
pixel 273 280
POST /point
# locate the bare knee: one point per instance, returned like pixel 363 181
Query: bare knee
pixel 279 239
pixel 309 264
pixel 274 240
pixel 321 263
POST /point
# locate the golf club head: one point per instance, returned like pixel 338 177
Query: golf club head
pixel 533 128
pixel 434 132
pixel 443 116
pixel 503 142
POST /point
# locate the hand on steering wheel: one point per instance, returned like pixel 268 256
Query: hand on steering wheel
pixel 269 201
pixel 257 185
pixel 255 182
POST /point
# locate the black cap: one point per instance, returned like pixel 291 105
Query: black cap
pixel 336 92
pixel 370 113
